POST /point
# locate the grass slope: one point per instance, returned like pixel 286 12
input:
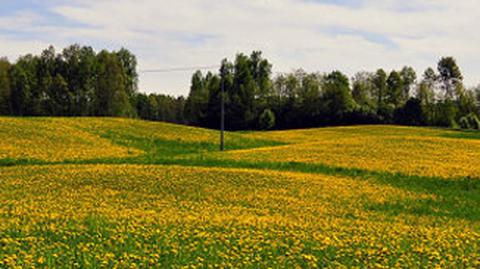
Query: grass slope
pixel 63 140
pixel 104 192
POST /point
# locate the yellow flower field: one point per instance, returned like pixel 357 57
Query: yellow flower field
pixel 403 150
pixel 81 139
pixel 123 193
pixel 52 140
pixel 126 215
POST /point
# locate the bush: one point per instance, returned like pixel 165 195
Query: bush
pixel 470 121
pixel 464 123
pixel 266 120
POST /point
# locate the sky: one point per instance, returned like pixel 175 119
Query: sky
pixel 316 35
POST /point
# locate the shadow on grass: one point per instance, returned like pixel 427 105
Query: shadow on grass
pixel 463 134
pixel 455 197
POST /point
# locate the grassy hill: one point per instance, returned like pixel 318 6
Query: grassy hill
pixel 60 140
pixel 103 192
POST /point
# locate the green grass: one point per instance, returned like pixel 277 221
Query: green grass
pixel 457 197
pixel 447 200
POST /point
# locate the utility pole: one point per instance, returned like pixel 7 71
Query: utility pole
pixel 222 116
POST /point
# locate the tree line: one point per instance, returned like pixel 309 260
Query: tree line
pixel 299 99
pixel 81 82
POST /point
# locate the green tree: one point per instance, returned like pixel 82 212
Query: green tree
pixel 241 106
pixel 80 71
pixel 450 76
pixel 337 96
pixel 142 106
pixel 408 77
pixel 467 103
pixel 45 90
pixel 5 90
pixel 27 87
pixel 395 89
pixel 384 109
pixel 111 98
pixel 363 91
pixel 153 108
pixel 197 101
pixel 411 113
pixel 261 70
pixel 21 94
pixel 214 100
pixel 129 63
pixel 60 98
pixel 380 84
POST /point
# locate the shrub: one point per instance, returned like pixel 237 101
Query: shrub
pixel 470 121
pixel 266 120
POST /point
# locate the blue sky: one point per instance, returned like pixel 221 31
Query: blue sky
pixel 318 35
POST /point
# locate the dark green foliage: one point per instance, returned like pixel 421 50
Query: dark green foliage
pixel 80 72
pixel 21 95
pixel 111 98
pixel 5 89
pixel 159 107
pixel 128 62
pixel 411 114
pixel 197 101
pixel 380 85
pixel 60 99
pixel 337 96
pixel 80 82
pixel 247 86
pixel 395 89
pixel 470 121
pixel 76 82
pixel 303 100
pixel 445 114
pixel 266 120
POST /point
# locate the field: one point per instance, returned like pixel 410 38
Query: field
pixel 104 193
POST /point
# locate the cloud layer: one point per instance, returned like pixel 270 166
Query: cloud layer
pixel 349 35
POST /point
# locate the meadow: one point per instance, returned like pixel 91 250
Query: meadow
pixel 122 193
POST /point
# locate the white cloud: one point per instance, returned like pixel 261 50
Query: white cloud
pixel 291 33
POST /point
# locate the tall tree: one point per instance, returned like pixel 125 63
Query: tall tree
pixel 337 95
pixel 60 99
pixel 80 71
pixel 261 70
pixel 426 94
pixel 111 98
pixel 384 110
pixel 408 76
pixel 45 90
pixel 214 101
pixel 395 89
pixel 363 91
pixel 380 83
pixel 450 76
pixel 21 94
pixel 31 66
pixel 129 63
pixel 5 90
pixel 197 101
pixel 241 110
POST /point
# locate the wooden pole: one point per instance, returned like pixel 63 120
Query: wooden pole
pixel 222 117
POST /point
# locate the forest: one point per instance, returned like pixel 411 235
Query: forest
pixel 82 82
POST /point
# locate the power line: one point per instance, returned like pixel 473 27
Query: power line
pixel 179 69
